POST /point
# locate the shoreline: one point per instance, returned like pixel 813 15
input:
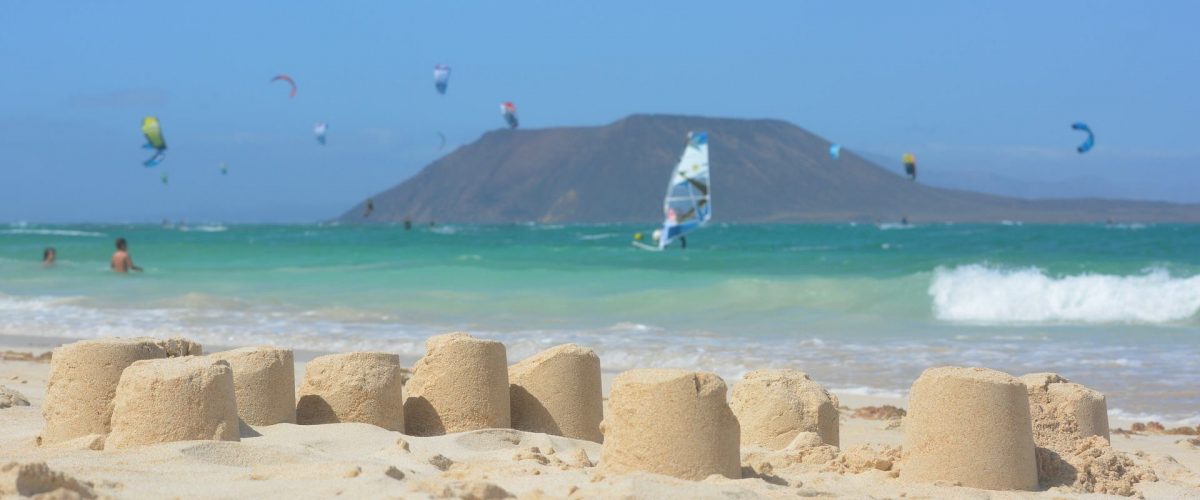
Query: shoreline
pixel 364 460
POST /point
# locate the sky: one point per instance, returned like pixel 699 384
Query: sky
pixel 982 92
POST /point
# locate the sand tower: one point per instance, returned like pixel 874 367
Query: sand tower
pixel 557 391
pixel 265 382
pixel 353 387
pixel 1064 415
pixel 176 399
pixel 83 380
pixel 673 422
pixel 460 385
pixel 773 406
pixel 970 426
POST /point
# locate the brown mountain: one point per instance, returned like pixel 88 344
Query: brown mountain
pixel 762 171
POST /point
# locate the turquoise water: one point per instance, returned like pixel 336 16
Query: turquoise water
pixel 861 308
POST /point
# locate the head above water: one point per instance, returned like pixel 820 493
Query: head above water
pixel 121 243
pixel 49 254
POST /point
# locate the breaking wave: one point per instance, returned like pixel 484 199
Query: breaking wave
pixel 979 293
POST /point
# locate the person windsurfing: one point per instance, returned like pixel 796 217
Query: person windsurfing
pixel 687 205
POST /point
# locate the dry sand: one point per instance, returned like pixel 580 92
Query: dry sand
pixel 356 460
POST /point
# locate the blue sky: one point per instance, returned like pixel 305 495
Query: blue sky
pixel 971 87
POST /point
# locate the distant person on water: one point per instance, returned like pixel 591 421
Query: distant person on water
pixel 49 255
pixel 407 224
pixel 121 261
pixel 370 208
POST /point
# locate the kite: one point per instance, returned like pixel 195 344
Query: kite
pixel 509 110
pixel 910 166
pixel 154 140
pixel 290 81
pixel 441 77
pixel 319 131
pixel 1091 138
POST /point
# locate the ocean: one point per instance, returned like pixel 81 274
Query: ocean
pixel 861 308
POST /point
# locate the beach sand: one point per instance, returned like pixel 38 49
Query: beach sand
pixel 364 461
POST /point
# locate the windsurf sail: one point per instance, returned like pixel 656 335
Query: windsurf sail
pixel 688 205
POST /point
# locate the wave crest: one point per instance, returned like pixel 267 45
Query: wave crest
pixel 979 293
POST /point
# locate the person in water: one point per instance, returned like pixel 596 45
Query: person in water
pixel 49 255
pixel 121 262
pixel 370 208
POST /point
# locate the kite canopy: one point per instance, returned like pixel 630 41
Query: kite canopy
pixel 687 206
pixel 319 131
pixel 910 166
pixel 509 111
pixel 441 77
pixel 154 140
pixel 1091 138
pixel 835 151
pixel 289 80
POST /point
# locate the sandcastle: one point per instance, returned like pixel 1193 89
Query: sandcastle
pixel 557 391
pixel 265 383
pixel 176 399
pixel 1064 416
pixel 673 422
pixel 969 426
pixel 460 385
pixel 1064 411
pixel 773 406
pixel 353 387
pixel 83 381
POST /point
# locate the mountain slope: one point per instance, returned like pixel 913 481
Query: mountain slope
pixel 762 171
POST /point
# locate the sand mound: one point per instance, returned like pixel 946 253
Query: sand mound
pixel 10 398
pixel 463 490
pixel 970 426
pixel 557 391
pixel 83 381
pixel 176 347
pixel 175 399
pixel 353 387
pixel 865 458
pixel 29 479
pixel 773 406
pixel 1092 466
pixel 264 380
pixel 26 356
pixel 885 412
pixel 671 422
pixel 461 384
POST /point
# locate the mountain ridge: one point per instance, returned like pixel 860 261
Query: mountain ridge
pixel 763 170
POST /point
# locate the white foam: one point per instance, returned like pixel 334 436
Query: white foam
pixel 205 228
pixel 983 294
pixel 52 232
